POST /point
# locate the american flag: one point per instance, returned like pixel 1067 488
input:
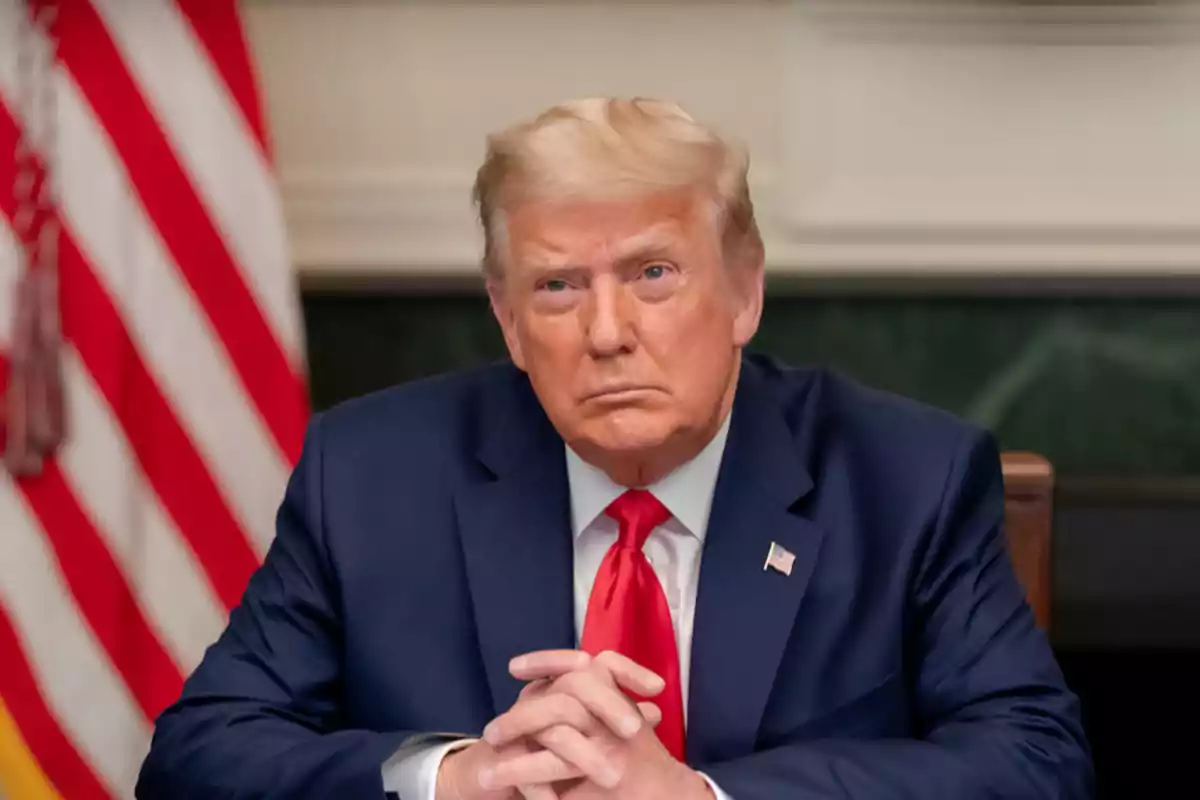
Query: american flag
pixel 780 559
pixel 150 196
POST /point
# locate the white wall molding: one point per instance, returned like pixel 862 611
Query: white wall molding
pixel 893 138
pixel 415 224
pixel 1045 21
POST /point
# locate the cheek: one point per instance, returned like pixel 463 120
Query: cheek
pixel 553 350
pixel 554 339
pixel 690 342
pixel 699 320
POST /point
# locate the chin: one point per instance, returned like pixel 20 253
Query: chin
pixel 629 430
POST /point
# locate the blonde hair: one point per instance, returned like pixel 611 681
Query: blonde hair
pixel 605 148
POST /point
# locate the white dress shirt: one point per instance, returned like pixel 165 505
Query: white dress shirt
pixel 673 550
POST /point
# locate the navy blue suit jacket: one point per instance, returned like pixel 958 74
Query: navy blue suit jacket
pixel 424 540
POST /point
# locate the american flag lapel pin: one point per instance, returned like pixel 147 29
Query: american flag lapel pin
pixel 780 559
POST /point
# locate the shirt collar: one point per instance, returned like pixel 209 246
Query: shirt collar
pixel 687 492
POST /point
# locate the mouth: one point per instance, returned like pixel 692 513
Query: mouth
pixel 624 391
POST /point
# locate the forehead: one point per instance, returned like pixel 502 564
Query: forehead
pixel 542 230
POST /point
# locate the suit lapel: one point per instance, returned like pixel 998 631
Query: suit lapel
pixel 514 521
pixel 745 614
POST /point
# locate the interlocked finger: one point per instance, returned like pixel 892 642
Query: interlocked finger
pixel 530 770
pixel 535 715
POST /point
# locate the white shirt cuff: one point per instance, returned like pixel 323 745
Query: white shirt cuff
pixel 411 773
pixel 715 789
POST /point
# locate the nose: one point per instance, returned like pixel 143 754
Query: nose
pixel 610 330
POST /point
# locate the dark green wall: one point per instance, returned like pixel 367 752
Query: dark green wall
pixel 1101 386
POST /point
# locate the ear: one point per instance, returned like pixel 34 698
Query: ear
pixel 749 277
pixel 502 311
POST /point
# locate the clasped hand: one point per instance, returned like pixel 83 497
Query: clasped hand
pixel 572 735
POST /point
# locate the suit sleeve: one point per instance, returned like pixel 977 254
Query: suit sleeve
pixel 261 716
pixel 995 716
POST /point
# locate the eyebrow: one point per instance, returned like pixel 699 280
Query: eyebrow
pixel 656 238
pixel 560 271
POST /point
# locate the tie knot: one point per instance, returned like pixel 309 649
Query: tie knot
pixel 637 512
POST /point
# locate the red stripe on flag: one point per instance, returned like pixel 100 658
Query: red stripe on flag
pixel 101 593
pixel 100 590
pixel 176 210
pixel 55 754
pixel 219 28
pixel 166 454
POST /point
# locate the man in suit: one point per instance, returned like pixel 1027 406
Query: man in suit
pixel 635 562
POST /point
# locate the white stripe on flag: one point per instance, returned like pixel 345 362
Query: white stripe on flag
pixel 97 463
pixel 92 704
pixel 167 324
pixel 9 255
pixel 9 272
pixel 162 572
pixel 9 10
pixel 216 148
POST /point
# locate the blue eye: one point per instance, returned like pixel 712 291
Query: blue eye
pixel 555 285
pixel 654 272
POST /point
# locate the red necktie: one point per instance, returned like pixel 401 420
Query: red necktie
pixel 628 610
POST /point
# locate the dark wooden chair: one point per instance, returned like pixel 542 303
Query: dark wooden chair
pixel 1029 509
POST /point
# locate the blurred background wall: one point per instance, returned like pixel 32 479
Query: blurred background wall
pixel 992 206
